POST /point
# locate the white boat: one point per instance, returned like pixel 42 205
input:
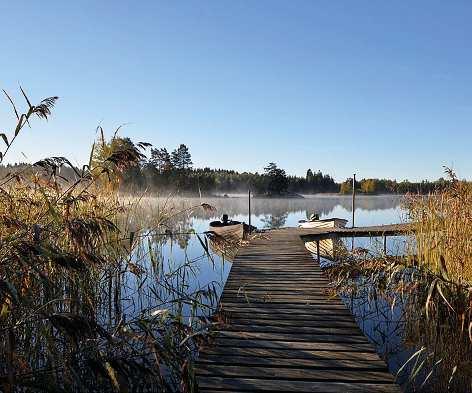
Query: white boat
pixel 326 223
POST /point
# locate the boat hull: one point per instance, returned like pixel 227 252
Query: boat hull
pixel 329 223
pixel 233 231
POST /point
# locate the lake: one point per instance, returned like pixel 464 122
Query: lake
pixel 183 234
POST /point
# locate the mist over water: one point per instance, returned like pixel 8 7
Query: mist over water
pixel 184 245
pixel 384 329
pixel 276 213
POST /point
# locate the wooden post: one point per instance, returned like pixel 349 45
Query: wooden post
pixel 318 251
pixel 249 210
pixel 353 199
pixel 385 244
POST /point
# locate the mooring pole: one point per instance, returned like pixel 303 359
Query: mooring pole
pixel 353 199
pixel 249 209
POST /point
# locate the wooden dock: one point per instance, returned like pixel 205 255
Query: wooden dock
pixel 284 333
pixel 369 231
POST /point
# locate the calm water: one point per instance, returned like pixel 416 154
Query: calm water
pixel 381 324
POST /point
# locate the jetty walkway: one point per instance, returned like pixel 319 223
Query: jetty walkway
pixel 283 331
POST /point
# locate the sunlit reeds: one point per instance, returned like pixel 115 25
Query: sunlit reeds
pixel 433 285
pixel 443 230
pixel 75 314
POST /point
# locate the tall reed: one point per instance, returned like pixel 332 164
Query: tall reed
pixel 433 284
pixel 75 314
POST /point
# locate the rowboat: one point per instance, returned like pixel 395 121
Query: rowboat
pixel 230 229
pixel 326 223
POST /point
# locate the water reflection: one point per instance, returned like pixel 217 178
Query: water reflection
pixel 383 320
pixel 177 241
pixel 287 212
pixel 274 221
pixel 381 323
pixel 330 249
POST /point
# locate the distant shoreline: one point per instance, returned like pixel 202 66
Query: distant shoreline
pixel 261 197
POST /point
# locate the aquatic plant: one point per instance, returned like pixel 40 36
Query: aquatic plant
pixel 75 313
pixel 432 284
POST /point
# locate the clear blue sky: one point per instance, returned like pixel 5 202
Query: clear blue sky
pixel 381 88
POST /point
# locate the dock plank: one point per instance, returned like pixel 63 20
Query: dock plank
pixel 283 329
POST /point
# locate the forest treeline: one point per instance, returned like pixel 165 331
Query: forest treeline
pixel 173 171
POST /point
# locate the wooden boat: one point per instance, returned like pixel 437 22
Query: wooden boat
pixel 326 223
pixel 229 229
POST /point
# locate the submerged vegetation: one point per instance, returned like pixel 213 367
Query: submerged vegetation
pixel 431 285
pixel 86 302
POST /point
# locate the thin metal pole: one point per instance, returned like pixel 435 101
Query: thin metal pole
pixel 353 199
pixel 249 208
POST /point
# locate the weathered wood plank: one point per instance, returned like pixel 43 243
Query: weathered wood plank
pixel 265 308
pixel 290 354
pixel 292 337
pixel 300 318
pixel 237 326
pixel 265 372
pixel 310 345
pixel 277 385
pixel 283 330
pixel 287 362
pixel 274 302
pixel 271 321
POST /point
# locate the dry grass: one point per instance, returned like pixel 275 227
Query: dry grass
pixel 68 246
pixel 443 230
pixel 432 284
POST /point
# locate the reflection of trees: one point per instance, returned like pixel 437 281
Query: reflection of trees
pixel 324 205
pixel 274 220
pixel 176 230
pixel 274 210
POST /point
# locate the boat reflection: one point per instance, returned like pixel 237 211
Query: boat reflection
pixel 224 247
pixel 332 248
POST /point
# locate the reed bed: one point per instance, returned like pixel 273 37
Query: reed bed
pixel 431 285
pixel 86 300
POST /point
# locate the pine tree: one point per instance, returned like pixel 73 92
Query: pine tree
pixel 278 182
pixel 181 158
pixel 309 175
pixel 161 160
